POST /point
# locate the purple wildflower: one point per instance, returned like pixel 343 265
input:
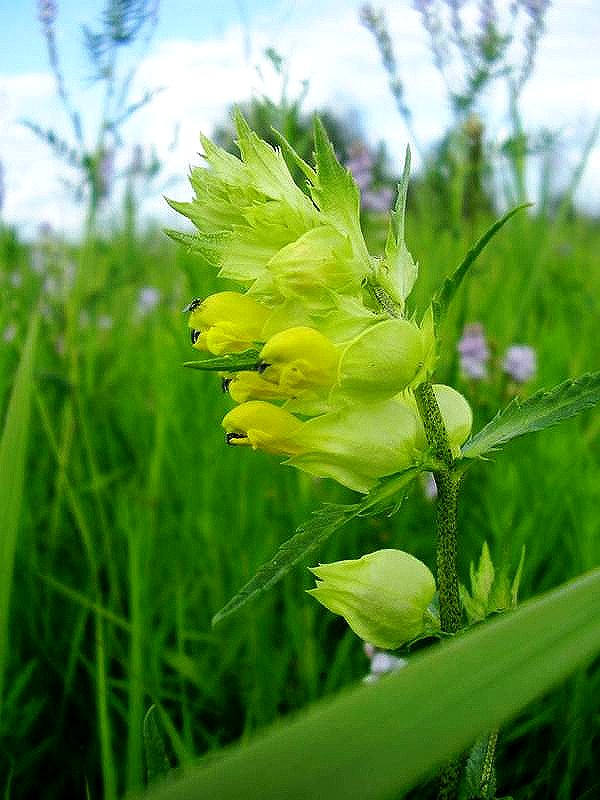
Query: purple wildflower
pixel 474 352
pixel 379 200
pixel 148 299
pixel 382 663
pixel 47 10
pixel 430 489
pixel 520 362
pixel 360 164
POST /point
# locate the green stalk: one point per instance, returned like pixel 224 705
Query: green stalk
pixel 447 575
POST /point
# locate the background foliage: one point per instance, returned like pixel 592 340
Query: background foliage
pixel 136 524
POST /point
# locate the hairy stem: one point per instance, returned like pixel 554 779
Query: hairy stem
pixel 447 575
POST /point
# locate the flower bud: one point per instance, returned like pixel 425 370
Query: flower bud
pixel 226 322
pixel 383 596
pixel 380 362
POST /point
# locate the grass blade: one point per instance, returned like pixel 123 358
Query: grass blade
pixel 450 286
pixel 13 454
pixel 374 742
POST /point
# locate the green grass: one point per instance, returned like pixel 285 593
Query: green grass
pixel 137 524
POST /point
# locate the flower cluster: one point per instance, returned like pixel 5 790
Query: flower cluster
pixel 318 351
pixel 324 356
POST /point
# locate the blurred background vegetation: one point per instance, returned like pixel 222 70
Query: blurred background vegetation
pixel 137 524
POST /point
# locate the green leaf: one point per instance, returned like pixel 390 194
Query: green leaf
pixel 157 761
pixel 337 196
pixel 398 272
pixel 542 410
pixel 312 534
pixel 13 463
pixel 448 289
pixel 234 362
pixel 375 742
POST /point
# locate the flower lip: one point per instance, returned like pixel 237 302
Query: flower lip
pixel 231 438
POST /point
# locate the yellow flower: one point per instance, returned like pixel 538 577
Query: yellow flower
pixel 226 322
pixel 299 358
pixel 262 426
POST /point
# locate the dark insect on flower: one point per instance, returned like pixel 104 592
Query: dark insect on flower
pixel 225 385
pixel 193 305
pixel 194 334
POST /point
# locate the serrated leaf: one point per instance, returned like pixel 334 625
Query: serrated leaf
pixel 542 410
pixel 448 289
pixel 312 534
pixel 157 761
pixel 209 246
pixel 336 194
pixel 480 780
pixel 233 362
pixel 286 147
pixel 406 726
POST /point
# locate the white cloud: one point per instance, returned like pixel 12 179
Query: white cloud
pixel 201 79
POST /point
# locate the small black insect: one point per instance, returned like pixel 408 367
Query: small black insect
pixel 194 335
pixel 225 384
pixel 262 367
pixel 195 303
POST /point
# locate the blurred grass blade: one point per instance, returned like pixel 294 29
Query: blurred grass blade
pixel 542 410
pixel 450 286
pixel 312 534
pixel 157 760
pixel 374 742
pixel 13 454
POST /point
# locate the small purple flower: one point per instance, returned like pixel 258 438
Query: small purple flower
pixel 382 663
pixel 148 299
pixel 360 164
pixel 379 200
pixel 520 362
pixel 474 352
pixel 47 10
pixel 430 489
pixel 10 333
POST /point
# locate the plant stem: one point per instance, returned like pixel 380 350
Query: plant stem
pixel 447 575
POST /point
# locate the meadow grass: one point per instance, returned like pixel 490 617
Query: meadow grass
pixel 137 524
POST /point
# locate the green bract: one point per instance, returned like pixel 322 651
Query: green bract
pixel 383 596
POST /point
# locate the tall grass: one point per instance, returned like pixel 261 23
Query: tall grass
pixel 137 523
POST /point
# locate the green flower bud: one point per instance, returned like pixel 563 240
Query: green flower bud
pixel 380 362
pixel 227 322
pixel 383 596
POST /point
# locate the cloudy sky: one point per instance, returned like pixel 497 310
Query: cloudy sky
pixel 207 55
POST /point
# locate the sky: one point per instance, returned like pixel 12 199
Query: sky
pixel 207 55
